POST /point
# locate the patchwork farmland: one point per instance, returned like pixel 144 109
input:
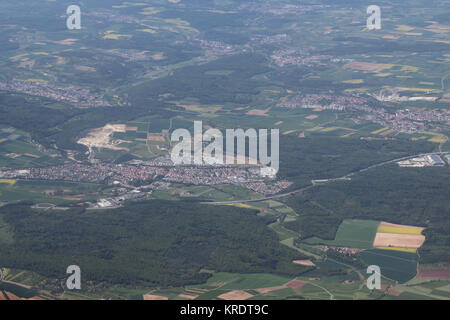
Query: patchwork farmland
pixel 393 247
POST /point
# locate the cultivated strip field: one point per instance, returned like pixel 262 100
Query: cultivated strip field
pixel 398 240
pixel 434 274
pixel 398 237
pixel 387 227
pixel 236 295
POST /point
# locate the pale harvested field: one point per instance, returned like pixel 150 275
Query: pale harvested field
pixel 128 128
pixel 398 240
pixel 295 284
pixel 236 295
pixel 12 296
pixel 85 68
pixel 158 56
pixel 394 292
pixel 438 28
pixel 392 37
pixel 366 66
pixel 191 107
pixel 155 137
pixel 187 296
pixel 267 290
pixel 308 263
pixel 154 297
pixel 258 112
pixel 69 41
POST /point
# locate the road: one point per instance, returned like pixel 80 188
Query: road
pixel 324 181
pixel 442 144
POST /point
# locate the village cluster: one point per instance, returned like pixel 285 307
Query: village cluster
pixel 80 97
pixel 134 176
pixel 405 120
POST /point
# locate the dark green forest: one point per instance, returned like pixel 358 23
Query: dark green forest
pixel 302 160
pixel 155 243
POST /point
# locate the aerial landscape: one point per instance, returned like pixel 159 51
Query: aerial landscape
pixel 315 148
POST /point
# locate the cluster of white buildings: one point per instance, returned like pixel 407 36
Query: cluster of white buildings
pixel 425 161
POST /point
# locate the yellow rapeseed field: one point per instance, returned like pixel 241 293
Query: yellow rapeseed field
pixel 399 230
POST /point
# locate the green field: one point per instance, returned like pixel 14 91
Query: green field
pixel 352 233
pixel 18 290
pixel 233 281
pixel 395 265
pixel 6 235
pixel 48 191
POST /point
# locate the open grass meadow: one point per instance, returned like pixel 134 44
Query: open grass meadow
pixel 352 233
pixel 395 265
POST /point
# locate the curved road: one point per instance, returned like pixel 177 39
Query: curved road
pixel 322 181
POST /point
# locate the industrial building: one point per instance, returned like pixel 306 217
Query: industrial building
pixel 436 160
